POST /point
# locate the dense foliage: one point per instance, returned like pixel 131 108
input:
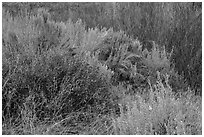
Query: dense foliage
pixel 103 70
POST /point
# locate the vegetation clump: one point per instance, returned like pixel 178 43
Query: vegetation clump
pixel 139 75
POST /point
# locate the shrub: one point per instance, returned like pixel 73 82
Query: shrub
pixel 82 87
pixel 161 114
pixel 42 75
pixel 73 80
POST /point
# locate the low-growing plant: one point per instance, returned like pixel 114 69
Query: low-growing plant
pixel 161 114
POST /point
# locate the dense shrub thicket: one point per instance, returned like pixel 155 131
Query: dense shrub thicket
pixel 73 78
pixel 52 76
pixel 176 25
